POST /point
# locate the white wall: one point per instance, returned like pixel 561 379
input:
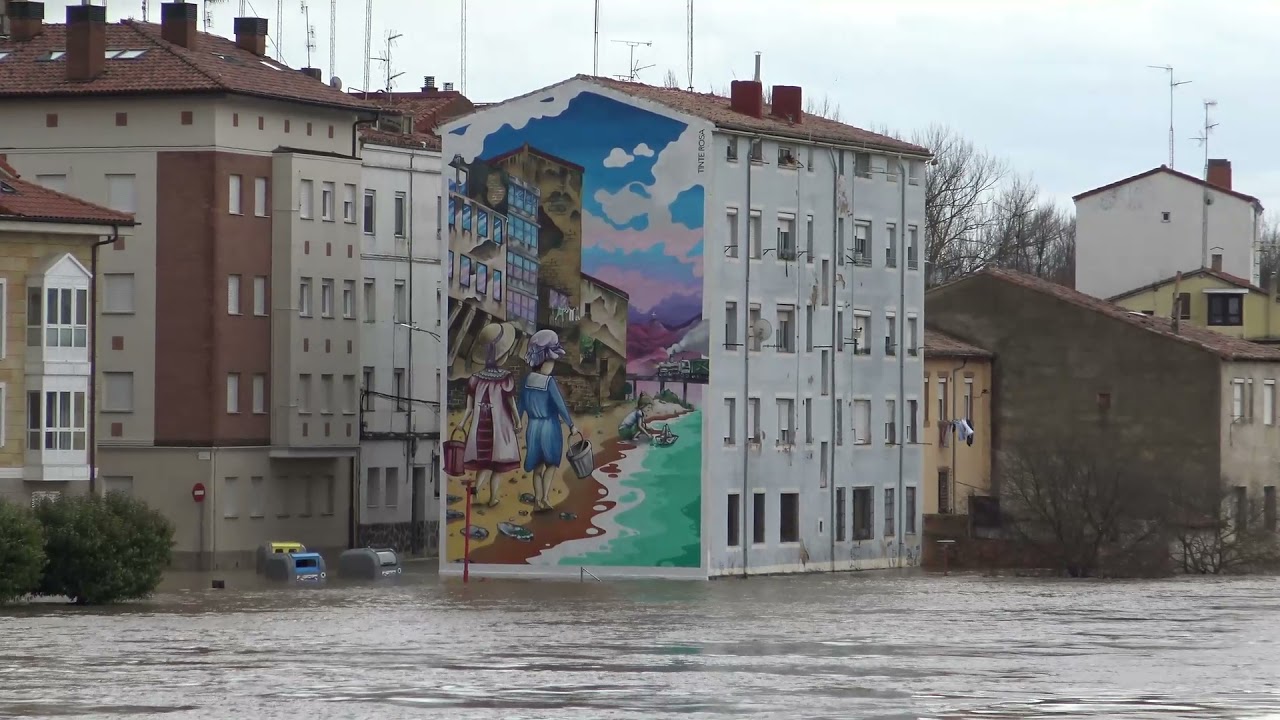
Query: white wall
pixel 1122 241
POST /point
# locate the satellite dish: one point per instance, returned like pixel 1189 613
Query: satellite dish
pixel 335 82
pixel 761 330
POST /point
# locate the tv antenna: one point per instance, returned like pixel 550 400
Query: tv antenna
pixel 632 68
pixel 279 29
pixel 392 37
pixel 1203 137
pixel 595 45
pixel 333 38
pixel 368 43
pixel 690 62
pixel 208 13
pixel 463 59
pixel 1172 86
pixel 311 31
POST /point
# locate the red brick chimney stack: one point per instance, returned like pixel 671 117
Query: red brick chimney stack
pixel 1220 173
pixel 86 42
pixel 178 23
pixel 251 35
pixel 747 97
pixel 788 103
pixel 26 20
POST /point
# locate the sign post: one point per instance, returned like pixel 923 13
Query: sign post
pixel 197 494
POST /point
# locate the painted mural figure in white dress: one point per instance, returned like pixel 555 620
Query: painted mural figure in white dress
pixel 491 419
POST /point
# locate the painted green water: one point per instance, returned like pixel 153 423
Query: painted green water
pixel 665 528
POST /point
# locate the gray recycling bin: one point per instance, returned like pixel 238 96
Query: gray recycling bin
pixel 295 568
pixel 369 564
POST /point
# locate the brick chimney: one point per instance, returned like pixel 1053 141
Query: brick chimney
pixel 178 23
pixel 747 97
pixel 1220 173
pixel 86 42
pixel 26 20
pixel 313 73
pixel 788 105
pixel 251 35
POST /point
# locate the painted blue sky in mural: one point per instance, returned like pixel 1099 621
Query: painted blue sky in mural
pixel 634 217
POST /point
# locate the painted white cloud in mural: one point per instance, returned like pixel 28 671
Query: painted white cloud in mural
pixel 547 104
pixel 618 158
pixel 624 205
pixel 642 150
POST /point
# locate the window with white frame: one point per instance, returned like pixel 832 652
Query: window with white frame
pixel 233 294
pixel 753 406
pixel 122 193
pixel 862 332
pixel 913 247
pixel 401 218
pixel 891 245
pixel 786 422
pixel 370 296
pixel 400 311
pixel 326 297
pixel 233 393
pixel 56 420
pixel 731 234
pixel 64 321
pixel 349 299
pixel 1237 400
pixel 349 203
pixel 397 385
pixel 234 194
pixel 862 422
pixel 117 293
pixel 890 334
pixel 731 421
pixel 862 243
pixel 326 201
pixel 260 197
pixel 259 394
pixel 260 295
pixel 753 235
pixel 117 392
pixel 913 335
pixel 306 200
pixel 370 205
pixel 304 297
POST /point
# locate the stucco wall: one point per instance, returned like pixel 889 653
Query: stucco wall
pixel 969 466
pixel 1250 444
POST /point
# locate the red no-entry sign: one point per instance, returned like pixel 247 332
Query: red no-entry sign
pixel 197 492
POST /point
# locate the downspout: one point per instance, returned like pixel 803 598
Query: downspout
pixel 902 362
pixel 355 131
pixel 93 357
pixel 837 342
pixel 409 450
pixel 951 495
pixel 744 251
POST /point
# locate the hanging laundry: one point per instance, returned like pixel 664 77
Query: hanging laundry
pixel 964 430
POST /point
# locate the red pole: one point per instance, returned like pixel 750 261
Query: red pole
pixel 466 537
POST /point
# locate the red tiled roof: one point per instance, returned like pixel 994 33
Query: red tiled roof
pixel 214 65
pixel 939 344
pixel 428 108
pixel 1224 277
pixel 414 141
pixel 1224 346
pixel 28 202
pixel 1175 173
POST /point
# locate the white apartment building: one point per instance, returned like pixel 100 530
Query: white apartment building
pixel 1153 225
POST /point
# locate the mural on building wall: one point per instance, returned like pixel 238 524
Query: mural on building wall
pixel 577 349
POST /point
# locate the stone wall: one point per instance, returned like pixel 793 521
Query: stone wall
pixel 402 537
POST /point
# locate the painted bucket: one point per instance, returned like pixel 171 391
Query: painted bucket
pixel 454 451
pixel 581 458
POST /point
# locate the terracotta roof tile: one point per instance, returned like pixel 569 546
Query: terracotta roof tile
pixel 1171 171
pixel 939 344
pixel 214 65
pixel 1224 277
pixel 414 141
pixel 26 201
pixel 1224 346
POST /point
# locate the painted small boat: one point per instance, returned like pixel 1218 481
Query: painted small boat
pixel 515 532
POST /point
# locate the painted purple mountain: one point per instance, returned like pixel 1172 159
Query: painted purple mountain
pixel 673 311
pixel 648 340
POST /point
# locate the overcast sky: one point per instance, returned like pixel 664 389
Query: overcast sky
pixel 1060 88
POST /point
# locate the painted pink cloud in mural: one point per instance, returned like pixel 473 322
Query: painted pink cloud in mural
pixel 678 240
pixel 645 290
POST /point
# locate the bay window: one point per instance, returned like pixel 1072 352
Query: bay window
pixel 56 421
pixel 60 315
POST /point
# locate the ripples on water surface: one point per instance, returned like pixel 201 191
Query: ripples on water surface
pixel 832 646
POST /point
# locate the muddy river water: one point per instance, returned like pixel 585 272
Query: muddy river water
pixel 831 646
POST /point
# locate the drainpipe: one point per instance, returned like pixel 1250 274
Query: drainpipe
pixel 93 357
pixel 409 450
pixel 355 131
pixel 902 361
pixel 952 494
pixel 744 251
pixel 837 342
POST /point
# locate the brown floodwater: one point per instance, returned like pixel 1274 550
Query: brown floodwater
pixel 867 645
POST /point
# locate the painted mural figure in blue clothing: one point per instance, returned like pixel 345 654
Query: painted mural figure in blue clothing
pixel 541 401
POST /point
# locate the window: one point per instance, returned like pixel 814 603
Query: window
pixel 753 405
pixel 944 490
pixel 943 400
pixel 304 297
pixel 367 388
pixel 349 203
pixel 400 311
pixel 306 200
pixel 1237 400
pixel 62 422
pixel 230 493
pixel 349 394
pixel 233 294
pixel 757 518
pixel 233 393
pixel 260 296
pixel 862 422
pixel 397 384
pixel 117 392
pixel 839 423
pixel 808 239
pixel 373 487
pixel 913 336
pixel 731 421
pixel 260 197
pixel 888 512
pixel 66 317
pixel 863 513
pixel 326 201
pixel 1184 306
pixel 349 299
pixel 122 193
pixel 913 247
pixel 826 282
pixel 1269 402
pixel 304 393
pixel 862 243
pixel 915 169
pixel 912 421
pixel 326 297
pixel 891 422
pixel 786 329
pixel 257 497
pixel 733 517
pixel 839 338
pixel 1248 399
pixel 786 237
pixel 401 218
pixel 369 296
pixel 826 371
pixel 1165 216
pixel 392 494
pixel 787 157
pixel 753 322
pixel 757 151
pixel 891 246
pixel 370 205
pixel 890 334
pixel 909 510
pixel 862 164
pixel 1227 310
pixel 968 398
pixel 259 394
pixel 731 149
pixel 789 518
pixel 753 235
pixel 840 518
pixel 731 324
pixel 786 422
pixel 234 195
pixel 808 420
pixel 326 394
pixel 808 328
pixel 117 293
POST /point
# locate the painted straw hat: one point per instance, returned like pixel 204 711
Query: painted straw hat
pixel 495 338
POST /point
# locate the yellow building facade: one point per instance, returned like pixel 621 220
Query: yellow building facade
pixel 1210 299
pixel 957 423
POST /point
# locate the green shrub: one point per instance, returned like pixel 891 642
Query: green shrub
pixel 103 550
pixel 21 552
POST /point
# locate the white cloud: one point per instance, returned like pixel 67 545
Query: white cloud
pixel 643 150
pixel 518 115
pixel 618 158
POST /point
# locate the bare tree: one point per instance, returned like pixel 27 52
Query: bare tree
pixel 1269 245
pixel 1219 531
pixel 671 80
pixel 824 106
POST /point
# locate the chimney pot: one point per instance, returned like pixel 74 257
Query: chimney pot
pixel 86 42
pixel 747 97
pixel 448 87
pixel 251 35
pixel 787 103
pixel 313 73
pixel 429 83
pixel 1219 174
pixel 26 20
pixel 178 23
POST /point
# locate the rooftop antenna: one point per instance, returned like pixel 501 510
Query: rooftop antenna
pixel 595 47
pixel 392 37
pixel 1203 139
pixel 690 45
pixel 311 31
pixel 368 43
pixel 463 81
pixel 208 14
pixel 333 38
pixel 146 16
pixel 279 30
pixel 1172 85
pixel 241 9
pixel 756 77
pixel 633 70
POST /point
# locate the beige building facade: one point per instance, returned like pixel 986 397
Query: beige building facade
pixel 957 389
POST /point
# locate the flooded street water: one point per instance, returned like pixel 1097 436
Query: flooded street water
pixel 832 646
